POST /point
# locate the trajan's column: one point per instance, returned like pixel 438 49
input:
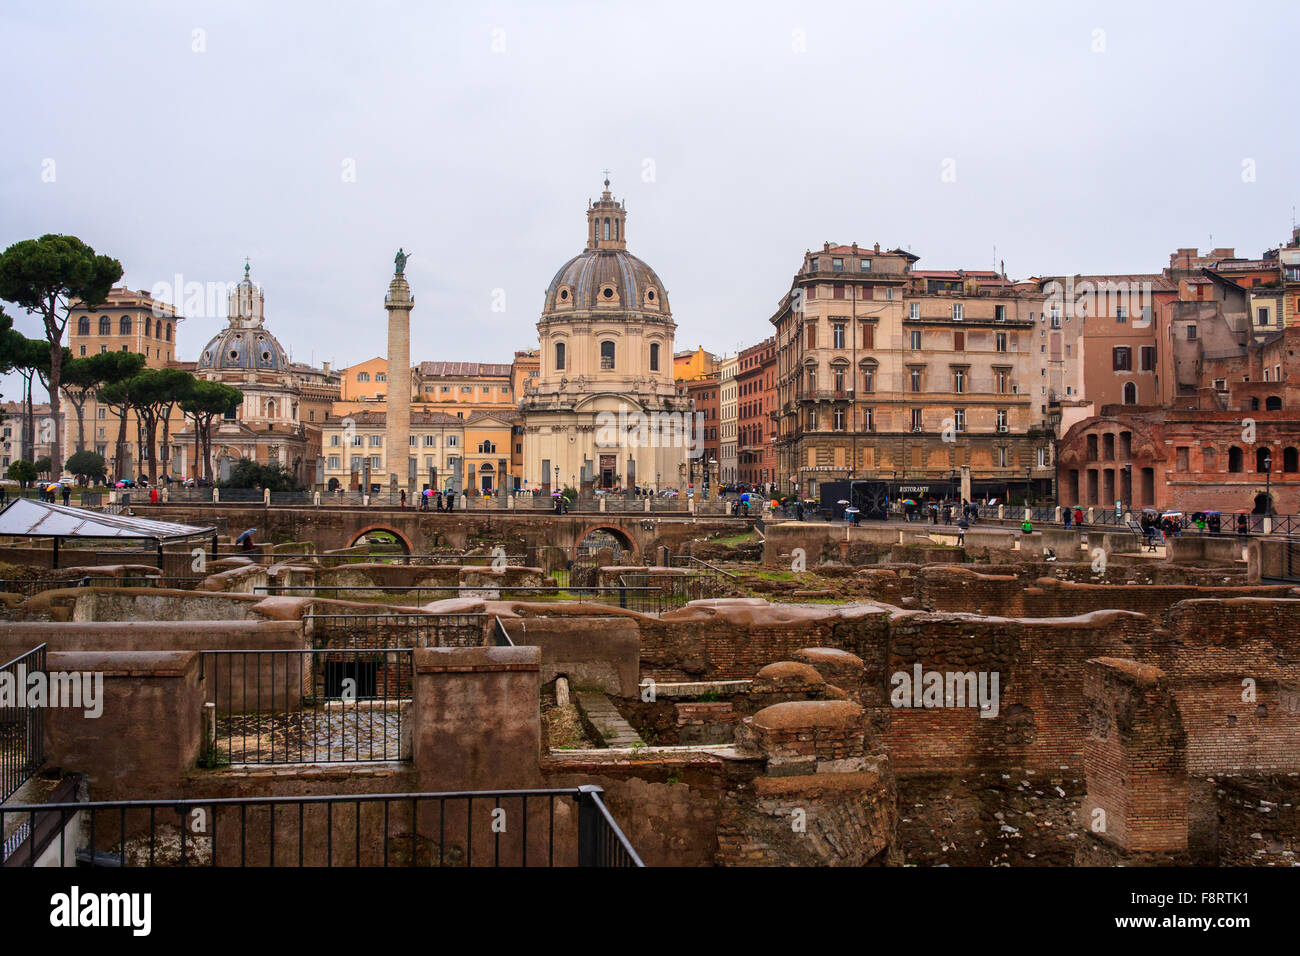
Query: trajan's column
pixel 397 422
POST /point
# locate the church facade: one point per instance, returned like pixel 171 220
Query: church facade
pixel 604 411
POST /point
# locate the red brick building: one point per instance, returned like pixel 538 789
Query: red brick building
pixel 704 394
pixel 755 403
pixel 1231 443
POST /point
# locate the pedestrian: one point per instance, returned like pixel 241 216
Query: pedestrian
pixel 403 498
pixel 962 524
pixel 67 497
pixel 1078 517
pixel 451 500
pixel 153 496
pixel 1069 518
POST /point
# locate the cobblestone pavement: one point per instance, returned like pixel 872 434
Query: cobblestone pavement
pixel 313 736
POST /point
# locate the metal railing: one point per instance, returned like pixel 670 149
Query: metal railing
pixel 22 728
pixel 308 706
pixel 398 557
pixel 30 586
pixel 460 828
pixel 397 630
pixel 674 590
pixel 650 597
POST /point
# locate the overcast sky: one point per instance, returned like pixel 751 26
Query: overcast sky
pixel 317 138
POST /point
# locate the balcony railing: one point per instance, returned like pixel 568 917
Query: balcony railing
pixel 463 828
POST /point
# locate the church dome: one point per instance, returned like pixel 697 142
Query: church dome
pixel 244 345
pixel 605 276
pixel 235 349
pixel 601 278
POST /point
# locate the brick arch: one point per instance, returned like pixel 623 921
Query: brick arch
pixel 403 539
pixel 625 538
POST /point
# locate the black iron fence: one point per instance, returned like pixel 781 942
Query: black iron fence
pixel 494 828
pixel 30 586
pixel 309 706
pixel 397 630
pixel 649 594
pixel 22 727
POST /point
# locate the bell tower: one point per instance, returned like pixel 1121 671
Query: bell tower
pixel 606 222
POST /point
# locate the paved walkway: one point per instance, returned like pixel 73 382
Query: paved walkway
pixel 609 723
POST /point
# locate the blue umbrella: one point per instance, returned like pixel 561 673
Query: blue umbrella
pixel 245 536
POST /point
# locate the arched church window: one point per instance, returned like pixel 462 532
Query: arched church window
pixel 606 355
pixel 606 228
pixel 124 326
pixel 105 325
pixel 83 325
pixel 559 356
pixel 654 357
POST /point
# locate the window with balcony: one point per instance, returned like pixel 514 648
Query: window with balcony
pixel 864 265
pixel 1122 358
pixel 606 356
pixel 915 376
pixel 959 419
pixel 837 418
pixel 917 424
pixel 958 381
pixel 1002 419
pixel 869 379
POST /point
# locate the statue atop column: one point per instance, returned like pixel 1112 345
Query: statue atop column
pixel 399 261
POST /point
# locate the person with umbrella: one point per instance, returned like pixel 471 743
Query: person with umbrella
pixel 246 539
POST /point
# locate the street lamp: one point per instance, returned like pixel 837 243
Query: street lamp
pixel 557 478
pixel 1268 484
pixel 1126 488
pixel 1029 483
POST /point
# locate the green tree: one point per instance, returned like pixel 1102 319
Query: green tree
pixel 82 378
pixel 22 471
pixel 47 277
pixel 249 474
pixel 153 393
pixel 205 402
pixel 115 370
pixel 42 465
pixel 86 464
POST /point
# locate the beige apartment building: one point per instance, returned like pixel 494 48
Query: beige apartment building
pixel 909 377
pixel 128 321
pixel 728 419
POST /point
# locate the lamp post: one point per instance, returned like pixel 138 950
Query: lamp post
pixel 557 478
pixel 1126 488
pixel 1268 484
pixel 656 483
pixel 1029 483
